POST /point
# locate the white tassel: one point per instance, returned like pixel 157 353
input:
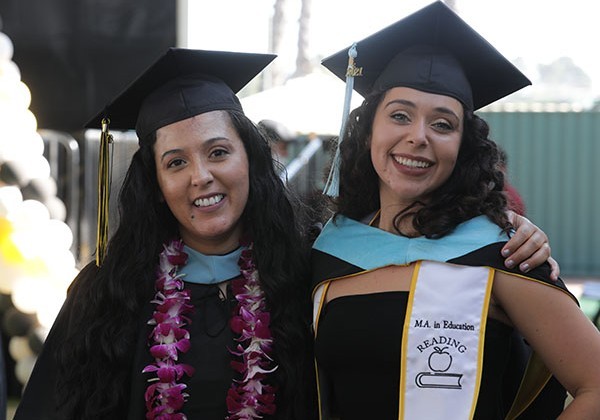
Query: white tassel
pixel 332 187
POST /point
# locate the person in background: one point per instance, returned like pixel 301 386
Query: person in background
pixel 514 200
pixel 415 314
pixel 199 308
pixel 280 137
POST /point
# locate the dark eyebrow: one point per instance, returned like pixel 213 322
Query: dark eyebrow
pixel 401 102
pixel 411 104
pixel 448 111
pixel 169 152
pixel 207 143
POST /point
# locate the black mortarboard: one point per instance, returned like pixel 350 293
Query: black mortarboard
pixel 181 84
pixel 432 50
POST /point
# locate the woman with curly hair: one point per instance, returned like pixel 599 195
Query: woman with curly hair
pixel 416 316
pixel 200 307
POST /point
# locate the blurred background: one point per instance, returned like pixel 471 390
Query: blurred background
pixel 61 61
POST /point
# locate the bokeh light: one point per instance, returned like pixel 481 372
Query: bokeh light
pixel 36 262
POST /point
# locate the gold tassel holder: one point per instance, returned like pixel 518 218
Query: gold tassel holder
pixel 104 180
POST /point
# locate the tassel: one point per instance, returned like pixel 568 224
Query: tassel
pixel 104 181
pixel 332 186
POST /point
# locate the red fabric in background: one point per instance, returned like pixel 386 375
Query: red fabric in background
pixel 515 201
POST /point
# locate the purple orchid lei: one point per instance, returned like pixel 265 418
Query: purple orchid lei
pixel 247 398
pixel 165 396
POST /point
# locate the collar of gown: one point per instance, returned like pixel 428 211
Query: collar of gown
pixel 210 269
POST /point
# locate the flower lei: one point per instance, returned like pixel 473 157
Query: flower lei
pixel 247 398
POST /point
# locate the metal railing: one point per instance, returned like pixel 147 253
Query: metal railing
pixel 64 157
pixel 302 173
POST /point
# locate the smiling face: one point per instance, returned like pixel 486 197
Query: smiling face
pixel 202 170
pixel 415 141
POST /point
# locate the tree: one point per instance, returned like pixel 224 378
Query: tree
pixel 304 63
pixel 277 30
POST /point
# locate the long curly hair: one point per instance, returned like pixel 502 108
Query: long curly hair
pixel 474 188
pixel 95 356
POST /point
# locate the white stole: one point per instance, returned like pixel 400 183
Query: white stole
pixel 443 339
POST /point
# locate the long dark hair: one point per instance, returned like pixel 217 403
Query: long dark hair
pixel 474 188
pixel 95 356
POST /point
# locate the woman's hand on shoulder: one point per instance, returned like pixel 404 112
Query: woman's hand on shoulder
pixel 528 247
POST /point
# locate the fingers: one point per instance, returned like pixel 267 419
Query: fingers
pixel 514 219
pixel 555 269
pixel 528 247
pixel 527 262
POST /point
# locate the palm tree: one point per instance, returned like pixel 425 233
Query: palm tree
pixel 304 64
pixel 277 29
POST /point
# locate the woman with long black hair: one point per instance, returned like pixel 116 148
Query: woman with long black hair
pixel 200 306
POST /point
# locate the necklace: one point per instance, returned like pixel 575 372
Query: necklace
pixel 248 398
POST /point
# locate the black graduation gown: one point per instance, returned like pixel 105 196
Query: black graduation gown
pixel 211 338
pixel 353 329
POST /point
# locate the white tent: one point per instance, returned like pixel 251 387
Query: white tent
pixel 308 104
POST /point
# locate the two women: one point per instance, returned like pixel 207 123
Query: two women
pixel 199 308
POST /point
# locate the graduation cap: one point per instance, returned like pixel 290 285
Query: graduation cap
pixel 432 50
pixel 181 84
